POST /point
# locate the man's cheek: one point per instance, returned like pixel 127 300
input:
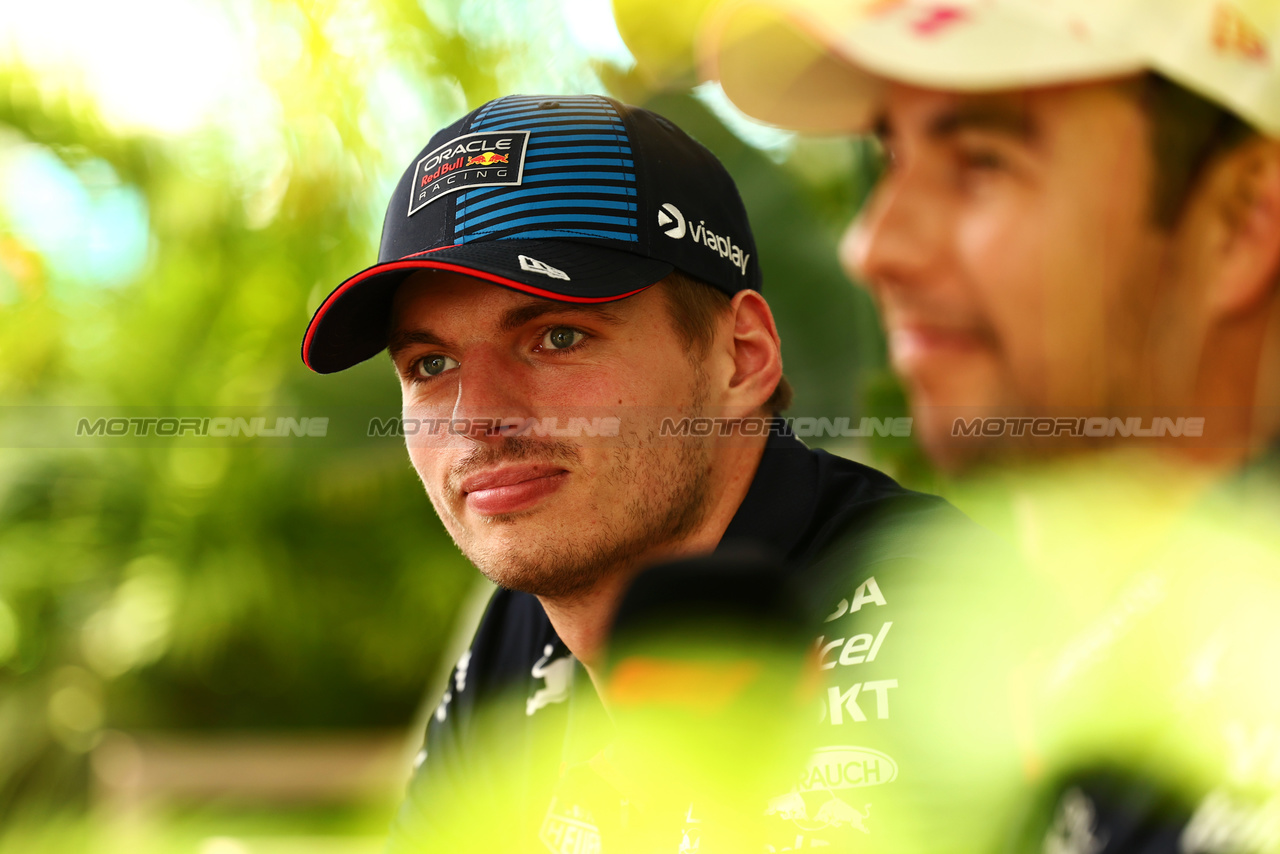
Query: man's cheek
pixel 428 462
pixel 1009 278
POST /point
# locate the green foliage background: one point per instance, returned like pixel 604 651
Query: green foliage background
pixel 293 584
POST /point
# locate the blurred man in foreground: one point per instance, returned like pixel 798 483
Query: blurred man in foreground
pixel 569 291
pixel 1075 247
pixel 1078 216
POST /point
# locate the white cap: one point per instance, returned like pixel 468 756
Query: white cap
pixel 820 65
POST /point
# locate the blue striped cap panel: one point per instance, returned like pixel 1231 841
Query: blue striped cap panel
pixel 579 174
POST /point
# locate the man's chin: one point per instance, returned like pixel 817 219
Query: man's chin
pixel 954 439
pixel 971 445
pixel 960 455
pixel 529 558
pixel 545 579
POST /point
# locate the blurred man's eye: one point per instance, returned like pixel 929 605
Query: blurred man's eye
pixel 883 155
pixel 983 160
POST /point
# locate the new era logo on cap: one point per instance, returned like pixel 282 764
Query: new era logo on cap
pixel 533 265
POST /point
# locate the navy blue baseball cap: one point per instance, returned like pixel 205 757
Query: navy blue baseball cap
pixel 579 199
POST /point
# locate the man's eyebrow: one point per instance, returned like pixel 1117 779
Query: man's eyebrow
pixel 512 320
pixel 520 315
pixel 404 340
pixel 994 116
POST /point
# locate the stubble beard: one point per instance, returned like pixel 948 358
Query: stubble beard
pixel 668 498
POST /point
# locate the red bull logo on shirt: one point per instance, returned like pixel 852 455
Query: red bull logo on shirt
pixel 569 830
pixel 821 812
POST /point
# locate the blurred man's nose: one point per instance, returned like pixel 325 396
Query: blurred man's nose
pixel 894 239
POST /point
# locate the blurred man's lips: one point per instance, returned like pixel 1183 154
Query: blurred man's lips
pixel 913 345
pixel 511 488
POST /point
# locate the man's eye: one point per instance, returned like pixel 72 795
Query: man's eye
pixel 431 366
pixel 885 157
pixel 562 338
pixel 983 160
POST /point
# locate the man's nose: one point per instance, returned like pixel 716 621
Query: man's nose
pixel 895 238
pixel 490 402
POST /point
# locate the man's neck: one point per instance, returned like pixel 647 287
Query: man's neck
pixel 583 621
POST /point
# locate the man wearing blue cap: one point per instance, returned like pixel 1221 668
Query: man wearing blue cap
pixel 565 286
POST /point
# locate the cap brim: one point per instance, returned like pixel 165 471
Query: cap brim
pixel 352 324
pixel 821 67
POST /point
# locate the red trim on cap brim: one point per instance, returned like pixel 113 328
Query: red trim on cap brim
pixel 451 268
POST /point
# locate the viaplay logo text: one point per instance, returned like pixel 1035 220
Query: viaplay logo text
pixel 674 225
pixel 471 160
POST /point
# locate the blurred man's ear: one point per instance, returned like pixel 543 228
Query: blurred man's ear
pixel 1241 200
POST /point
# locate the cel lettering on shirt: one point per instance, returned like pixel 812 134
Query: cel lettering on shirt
pixel 856 702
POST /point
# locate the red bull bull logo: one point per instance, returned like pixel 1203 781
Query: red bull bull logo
pixel 487 159
pixel 836 812
pixel 568 830
pixel 832 812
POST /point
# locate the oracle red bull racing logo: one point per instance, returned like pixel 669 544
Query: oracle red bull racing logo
pixel 467 161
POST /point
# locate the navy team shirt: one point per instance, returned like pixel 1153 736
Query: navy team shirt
pixel 510 761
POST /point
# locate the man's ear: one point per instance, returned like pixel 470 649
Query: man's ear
pixel 757 355
pixel 1243 196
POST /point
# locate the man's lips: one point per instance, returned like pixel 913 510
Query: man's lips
pixel 911 344
pixel 509 489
